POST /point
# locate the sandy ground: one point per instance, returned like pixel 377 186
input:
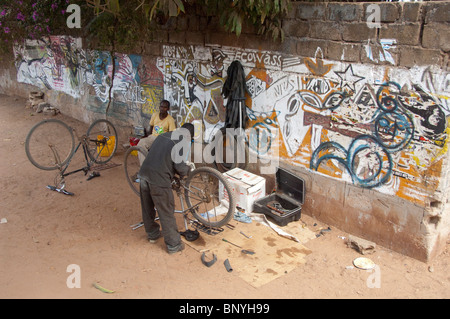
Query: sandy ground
pixel 46 232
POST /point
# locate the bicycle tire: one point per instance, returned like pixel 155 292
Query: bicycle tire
pixel 101 150
pixel 131 166
pixel 210 217
pixel 44 158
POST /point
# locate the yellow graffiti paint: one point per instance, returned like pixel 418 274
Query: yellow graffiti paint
pixel 444 148
pixel 153 96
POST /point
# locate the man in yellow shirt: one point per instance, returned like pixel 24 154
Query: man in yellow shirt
pixel 160 122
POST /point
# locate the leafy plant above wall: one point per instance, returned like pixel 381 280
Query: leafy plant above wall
pixel 125 22
pixel 266 14
pixel 29 19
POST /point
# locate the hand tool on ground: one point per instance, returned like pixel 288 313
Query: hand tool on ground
pixel 322 231
pixel 246 235
pixel 136 226
pixel 248 252
pixel 140 224
pixel 231 243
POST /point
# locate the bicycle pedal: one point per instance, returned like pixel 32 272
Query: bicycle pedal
pixel 93 175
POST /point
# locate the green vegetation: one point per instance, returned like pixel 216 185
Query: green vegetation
pixel 107 23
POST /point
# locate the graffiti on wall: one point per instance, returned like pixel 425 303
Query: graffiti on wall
pixel 60 63
pixel 372 126
pixel 344 121
pixel 51 64
pixel 193 80
pixel 369 126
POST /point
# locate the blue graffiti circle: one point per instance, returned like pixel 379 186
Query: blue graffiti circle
pixel 369 163
pixel 394 130
pixel 387 96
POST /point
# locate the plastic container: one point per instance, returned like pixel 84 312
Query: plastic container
pixel 133 142
pixel 285 204
pixel 106 151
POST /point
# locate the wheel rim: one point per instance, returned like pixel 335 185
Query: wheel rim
pixel 132 167
pixel 101 139
pixel 209 195
pixel 49 144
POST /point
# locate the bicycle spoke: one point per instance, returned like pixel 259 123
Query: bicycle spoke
pixel 197 198
pixel 207 213
pixel 203 186
pixel 193 193
pixel 101 141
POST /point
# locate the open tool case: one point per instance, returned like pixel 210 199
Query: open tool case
pixel 285 204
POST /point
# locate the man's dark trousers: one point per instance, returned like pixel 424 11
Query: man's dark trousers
pixel 161 198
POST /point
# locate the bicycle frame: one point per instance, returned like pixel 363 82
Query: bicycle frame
pixel 62 169
pixel 85 169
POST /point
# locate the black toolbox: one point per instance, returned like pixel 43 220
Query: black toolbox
pixel 285 204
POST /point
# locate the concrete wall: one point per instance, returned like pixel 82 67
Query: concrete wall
pixel 360 113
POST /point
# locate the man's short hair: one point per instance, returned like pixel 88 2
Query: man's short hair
pixel 190 127
pixel 165 102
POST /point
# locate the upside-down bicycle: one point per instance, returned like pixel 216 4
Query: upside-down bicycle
pixel 206 193
pixel 50 145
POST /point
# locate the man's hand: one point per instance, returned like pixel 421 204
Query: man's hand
pixel 192 165
pixel 176 182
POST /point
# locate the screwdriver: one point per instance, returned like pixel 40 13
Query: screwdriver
pixel 231 243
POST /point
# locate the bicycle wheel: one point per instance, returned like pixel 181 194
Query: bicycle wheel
pixel 210 196
pixel 101 139
pixel 49 144
pixel 132 166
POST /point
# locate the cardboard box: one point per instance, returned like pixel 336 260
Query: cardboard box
pixel 247 188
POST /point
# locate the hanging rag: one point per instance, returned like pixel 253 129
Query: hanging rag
pixel 234 90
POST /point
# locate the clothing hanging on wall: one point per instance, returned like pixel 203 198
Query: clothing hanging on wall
pixel 234 90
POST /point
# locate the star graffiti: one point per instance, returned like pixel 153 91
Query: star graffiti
pixel 348 78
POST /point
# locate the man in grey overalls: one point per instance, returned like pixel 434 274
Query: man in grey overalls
pixel 156 174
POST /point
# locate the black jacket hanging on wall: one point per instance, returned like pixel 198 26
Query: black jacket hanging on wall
pixel 234 89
